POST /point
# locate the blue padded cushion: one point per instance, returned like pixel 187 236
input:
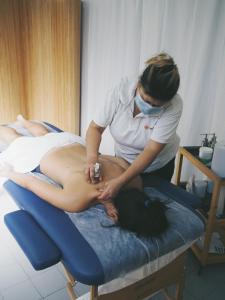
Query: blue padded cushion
pixel 77 254
pixel 38 247
pixel 174 192
pixel 54 127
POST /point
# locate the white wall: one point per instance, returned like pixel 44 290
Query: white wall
pixel 119 35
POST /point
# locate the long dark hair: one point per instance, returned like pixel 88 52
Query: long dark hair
pixel 139 213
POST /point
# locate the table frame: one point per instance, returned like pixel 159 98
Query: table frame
pixel 212 223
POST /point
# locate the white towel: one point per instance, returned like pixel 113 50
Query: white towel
pixel 25 153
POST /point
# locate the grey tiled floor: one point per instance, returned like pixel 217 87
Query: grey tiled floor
pixel 209 285
pixel 18 280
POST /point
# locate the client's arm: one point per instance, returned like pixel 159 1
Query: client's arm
pixel 48 192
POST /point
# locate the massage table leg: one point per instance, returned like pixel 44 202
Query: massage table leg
pixel 71 282
pixel 179 290
pixel 180 287
pixel 173 273
pixel 94 292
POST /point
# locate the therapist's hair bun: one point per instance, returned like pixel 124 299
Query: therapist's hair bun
pixel 139 213
pixel 161 78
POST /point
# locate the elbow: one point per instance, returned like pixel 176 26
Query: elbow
pixel 96 128
pixel 73 209
pixel 28 183
pixel 73 206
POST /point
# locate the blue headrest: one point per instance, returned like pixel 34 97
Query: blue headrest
pixel 38 247
pixel 174 192
pixel 81 260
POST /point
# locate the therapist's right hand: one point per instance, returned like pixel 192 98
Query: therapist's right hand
pixel 90 173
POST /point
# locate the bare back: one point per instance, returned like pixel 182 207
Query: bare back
pixel 66 165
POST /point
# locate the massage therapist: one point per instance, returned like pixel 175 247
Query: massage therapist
pixel 142 116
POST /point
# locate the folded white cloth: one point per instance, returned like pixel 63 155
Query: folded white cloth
pixel 25 152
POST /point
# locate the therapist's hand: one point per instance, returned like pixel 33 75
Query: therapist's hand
pixel 90 172
pixel 111 189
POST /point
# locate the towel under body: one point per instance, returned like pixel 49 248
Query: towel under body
pixel 26 152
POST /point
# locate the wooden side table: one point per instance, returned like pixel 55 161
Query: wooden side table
pixel 212 223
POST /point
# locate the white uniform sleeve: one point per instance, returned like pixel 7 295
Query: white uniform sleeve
pixel 105 111
pixel 165 129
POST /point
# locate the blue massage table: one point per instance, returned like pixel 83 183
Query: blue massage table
pixel 48 235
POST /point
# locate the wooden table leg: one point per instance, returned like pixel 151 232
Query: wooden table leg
pixel 211 221
pixel 94 292
pixel 178 168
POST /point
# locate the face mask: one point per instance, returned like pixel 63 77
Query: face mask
pixel 146 108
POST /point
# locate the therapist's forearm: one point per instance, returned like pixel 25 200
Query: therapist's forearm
pixel 93 140
pixel 141 162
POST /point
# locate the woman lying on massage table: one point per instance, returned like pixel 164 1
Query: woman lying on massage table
pixel 62 157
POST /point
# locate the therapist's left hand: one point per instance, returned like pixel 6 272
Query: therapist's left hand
pixel 110 190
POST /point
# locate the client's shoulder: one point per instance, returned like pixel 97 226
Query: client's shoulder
pixel 79 189
pixel 119 161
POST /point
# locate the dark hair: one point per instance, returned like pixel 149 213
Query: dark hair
pixel 140 214
pixel 161 78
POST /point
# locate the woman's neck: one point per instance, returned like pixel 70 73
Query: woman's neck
pixel 136 110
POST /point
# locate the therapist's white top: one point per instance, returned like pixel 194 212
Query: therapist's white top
pixel 131 134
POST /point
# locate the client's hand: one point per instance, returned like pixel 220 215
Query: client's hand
pixel 111 210
pixel 110 190
pixel 5 169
